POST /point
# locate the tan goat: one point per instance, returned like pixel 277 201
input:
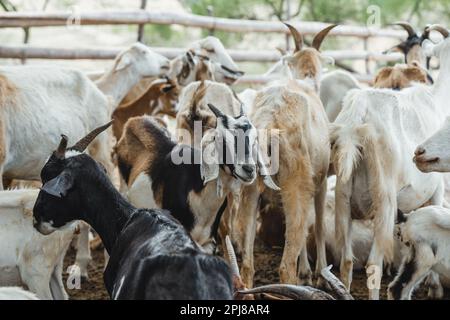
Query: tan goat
pixel 294 108
pixel 400 76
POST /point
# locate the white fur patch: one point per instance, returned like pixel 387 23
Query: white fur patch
pixel 72 153
pixel 140 193
pixel 46 227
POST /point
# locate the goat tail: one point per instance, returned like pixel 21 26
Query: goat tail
pixel 347 148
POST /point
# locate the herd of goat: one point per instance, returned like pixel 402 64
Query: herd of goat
pixel 358 184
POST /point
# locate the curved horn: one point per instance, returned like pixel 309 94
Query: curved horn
pixel 291 291
pixel 61 151
pixel 317 42
pixel 241 107
pixel 216 111
pixel 298 39
pixel 405 25
pixel 441 29
pixel 426 33
pixel 83 143
pixel 232 256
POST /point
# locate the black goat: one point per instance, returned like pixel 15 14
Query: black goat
pixel 151 254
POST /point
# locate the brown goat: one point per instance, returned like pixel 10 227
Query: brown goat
pixel 400 76
pixel 160 98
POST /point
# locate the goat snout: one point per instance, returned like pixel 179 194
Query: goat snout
pixel 249 168
pixel 419 151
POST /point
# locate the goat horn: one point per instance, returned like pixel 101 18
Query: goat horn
pixel 232 257
pixel 408 27
pixel 216 111
pixel 426 32
pixel 291 291
pixel 83 143
pixel 441 29
pixel 298 39
pixel 317 41
pixel 61 151
pixel 241 107
pixel 336 285
pixel 268 181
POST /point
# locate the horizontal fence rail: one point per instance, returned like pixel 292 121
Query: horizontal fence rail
pixel 252 79
pixel 42 19
pixel 27 52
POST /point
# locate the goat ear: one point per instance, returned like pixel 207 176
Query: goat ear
pixel 59 186
pixel 190 58
pixel 209 167
pixel 124 62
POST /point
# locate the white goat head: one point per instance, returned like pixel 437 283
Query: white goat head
pixel 233 145
pixel 306 63
pixel 144 61
pixel 209 52
pixel 223 67
pixel 434 154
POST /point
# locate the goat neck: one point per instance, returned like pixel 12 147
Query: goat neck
pixel 117 83
pixel 104 209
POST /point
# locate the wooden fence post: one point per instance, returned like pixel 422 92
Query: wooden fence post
pixel 141 26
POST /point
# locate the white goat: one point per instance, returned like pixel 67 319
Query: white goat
pixel 333 88
pixel 336 84
pixel 426 233
pixel 373 138
pixel 130 66
pixel 27 257
pixel 40 103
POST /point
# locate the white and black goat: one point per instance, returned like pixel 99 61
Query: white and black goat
pixel 426 234
pixel 151 254
pixel 191 183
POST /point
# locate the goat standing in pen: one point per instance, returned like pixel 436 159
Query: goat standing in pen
pixel 293 107
pixel 151 254
pixel 372 137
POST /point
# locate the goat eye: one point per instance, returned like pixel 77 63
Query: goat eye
pixel 210 50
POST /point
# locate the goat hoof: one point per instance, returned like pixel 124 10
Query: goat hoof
pixel 305 279
pixel 435 293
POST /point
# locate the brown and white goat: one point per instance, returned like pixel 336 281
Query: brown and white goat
pixel 400 76
pixel 160 98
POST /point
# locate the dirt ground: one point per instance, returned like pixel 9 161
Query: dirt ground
pixel 267 261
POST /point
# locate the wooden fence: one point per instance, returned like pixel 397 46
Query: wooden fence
pixel 141 17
